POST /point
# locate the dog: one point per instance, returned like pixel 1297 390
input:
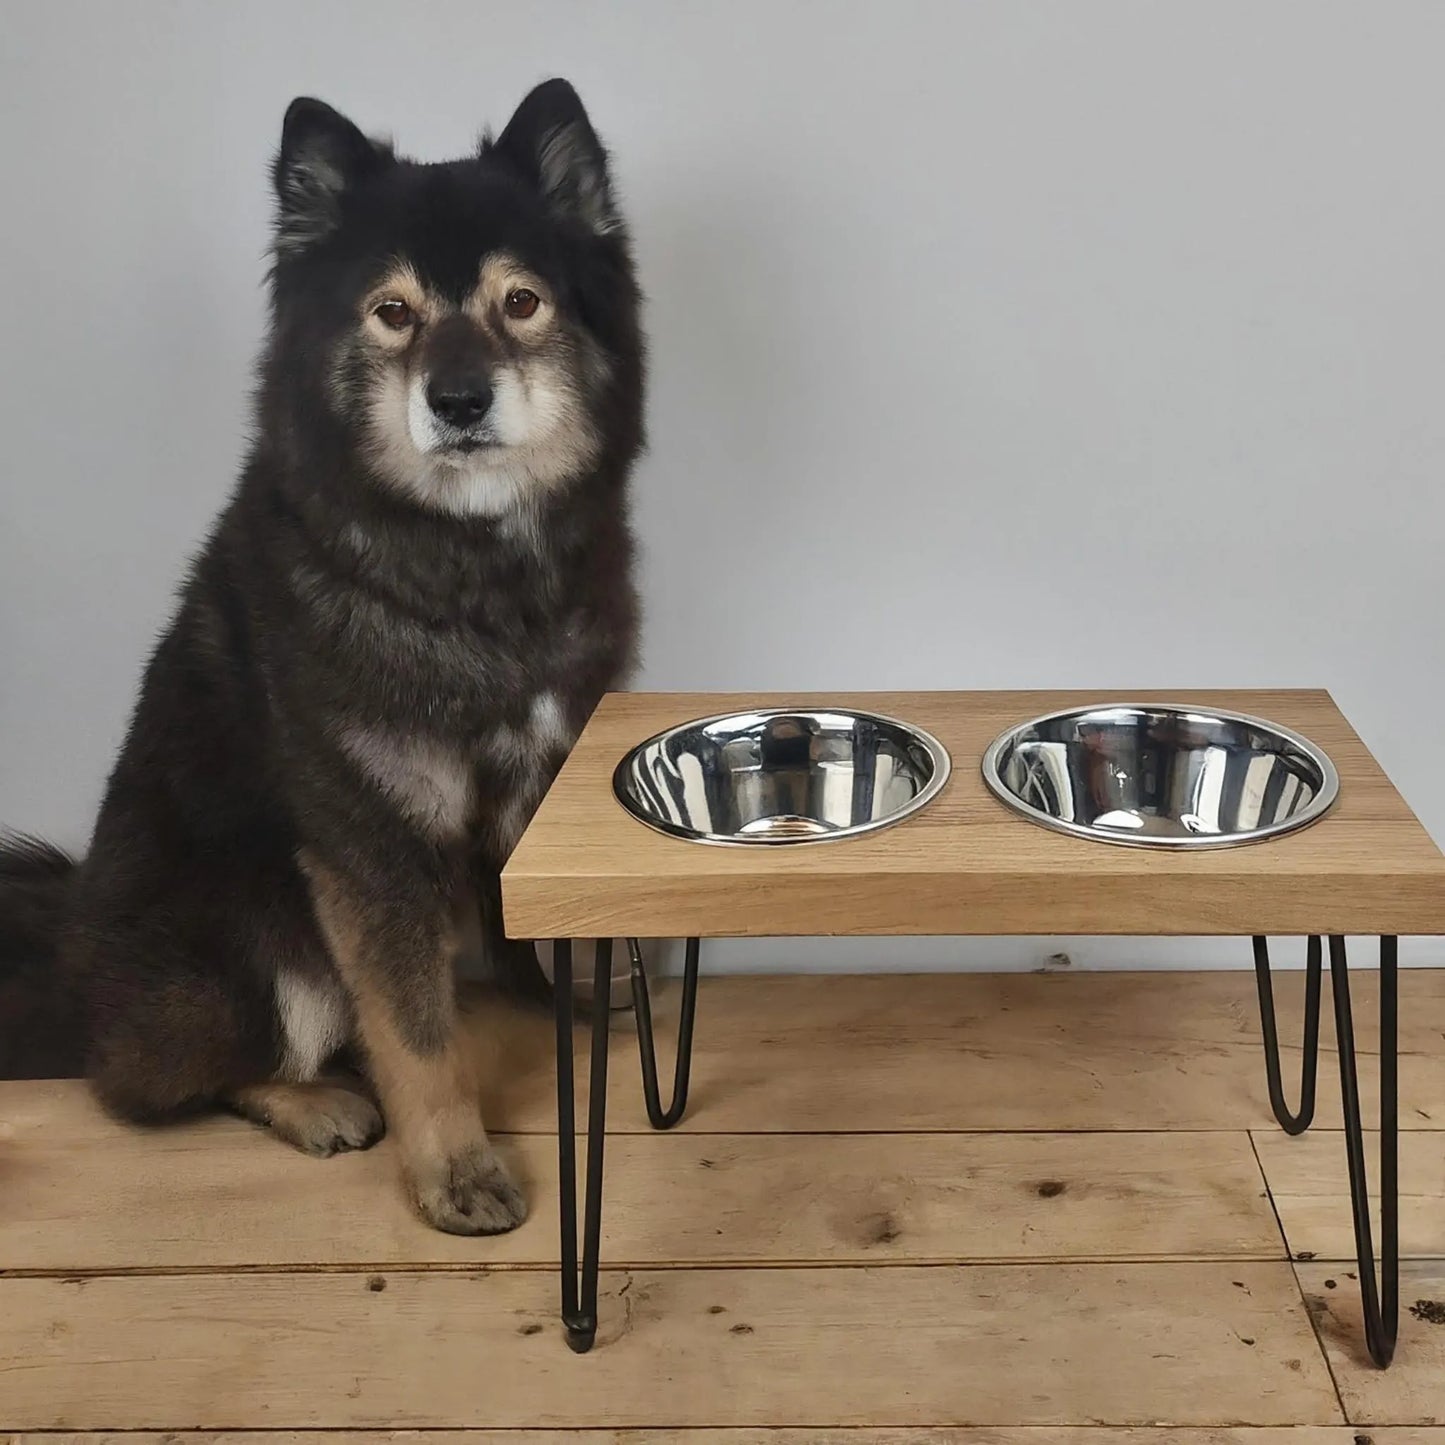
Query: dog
pixel 419 590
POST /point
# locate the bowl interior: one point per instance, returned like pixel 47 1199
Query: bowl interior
pixel 778 776
pixel 1161 776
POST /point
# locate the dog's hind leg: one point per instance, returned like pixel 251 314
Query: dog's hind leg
pixel 169 1036
pixel 320 1115
pixel 191 1010
pixel 318 1118
pixel 190 1043
pixel 396 957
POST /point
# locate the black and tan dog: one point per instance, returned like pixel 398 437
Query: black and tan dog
pixel 419 590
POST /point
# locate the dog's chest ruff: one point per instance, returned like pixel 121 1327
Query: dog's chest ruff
pixel 433 784
pixel 429 782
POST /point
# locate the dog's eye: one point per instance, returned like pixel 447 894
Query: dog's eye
pixel 395 314
pixel 522 303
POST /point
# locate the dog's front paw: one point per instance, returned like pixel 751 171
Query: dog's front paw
pixel 469 1193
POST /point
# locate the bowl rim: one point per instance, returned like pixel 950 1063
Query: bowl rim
pixel 1316 809
pixel 942 770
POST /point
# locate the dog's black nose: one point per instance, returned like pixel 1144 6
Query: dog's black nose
pixel 461 402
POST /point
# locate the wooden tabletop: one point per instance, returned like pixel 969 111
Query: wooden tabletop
pixel 965 864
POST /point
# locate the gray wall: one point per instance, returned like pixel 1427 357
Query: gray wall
pixel 995 345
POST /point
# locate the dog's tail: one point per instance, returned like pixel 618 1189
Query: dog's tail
pixel 41 1031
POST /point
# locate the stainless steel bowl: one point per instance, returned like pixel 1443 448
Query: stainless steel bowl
pixel 1161 776
pixel 779 776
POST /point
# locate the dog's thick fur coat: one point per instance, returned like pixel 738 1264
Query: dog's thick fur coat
pixel 412 602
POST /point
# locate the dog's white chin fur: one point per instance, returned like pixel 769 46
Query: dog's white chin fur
pixel 473 487
pixel 537 435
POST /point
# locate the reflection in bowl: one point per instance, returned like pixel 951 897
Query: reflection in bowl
pixel 781 776
pixel 1161 776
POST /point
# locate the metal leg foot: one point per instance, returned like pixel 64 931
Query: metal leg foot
pixel 1291 1123
pixel 1380 1298
pixel 579 1288
pixel 659 1117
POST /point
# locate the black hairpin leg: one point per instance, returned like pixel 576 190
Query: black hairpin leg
pixel 659 1117
pixel 1309 1067
pixel 579 1288
pixel 1379 1296
pixel 1380 1301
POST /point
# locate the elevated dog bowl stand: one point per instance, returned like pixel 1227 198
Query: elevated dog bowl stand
pixel 966 865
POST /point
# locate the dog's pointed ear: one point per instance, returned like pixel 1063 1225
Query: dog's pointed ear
pixel 552 143
pixel 321 155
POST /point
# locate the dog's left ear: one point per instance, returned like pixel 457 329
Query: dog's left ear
pixel 322 154
pixel 551 141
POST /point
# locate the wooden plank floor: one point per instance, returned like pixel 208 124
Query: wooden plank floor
pixel 815 1435
pixel 1021 1210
